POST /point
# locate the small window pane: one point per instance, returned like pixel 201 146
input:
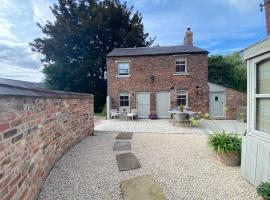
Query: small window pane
pixel 182 99
pixel 263 115
pixel 124 100
pixel 123 68
pixel 263 78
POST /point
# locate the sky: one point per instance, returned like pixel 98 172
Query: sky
pixel 219 26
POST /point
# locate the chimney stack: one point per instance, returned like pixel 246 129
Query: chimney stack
pixel 188 40
pixel 267 13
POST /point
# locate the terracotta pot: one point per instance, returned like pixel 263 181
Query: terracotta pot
pixel 230 159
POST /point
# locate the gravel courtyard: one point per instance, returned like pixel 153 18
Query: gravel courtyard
pixel 180 163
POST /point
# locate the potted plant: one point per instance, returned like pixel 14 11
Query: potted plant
pixel 227 147
pixel 181 108
pixel 264 190
pixel 153 116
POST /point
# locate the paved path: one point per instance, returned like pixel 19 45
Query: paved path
pixel 163 126
pixel 181 164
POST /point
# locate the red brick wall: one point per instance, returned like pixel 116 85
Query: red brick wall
pixel 234 100
pixel 34 134
pixel 267 13
pixel 162 68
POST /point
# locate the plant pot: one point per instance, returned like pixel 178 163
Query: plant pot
pixel 230 159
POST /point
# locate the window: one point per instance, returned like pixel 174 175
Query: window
pixel 182 98
pixel 123 68
pixel 181 65
pixel 124 100
pixel 263 97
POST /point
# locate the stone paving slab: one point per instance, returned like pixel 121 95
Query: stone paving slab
pixel 127 161
pixel 141 188
pixel 164 126
pixel 124 136
pixel 121 145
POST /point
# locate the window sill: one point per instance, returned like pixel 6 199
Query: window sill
pixel 123 76
pixel 181 74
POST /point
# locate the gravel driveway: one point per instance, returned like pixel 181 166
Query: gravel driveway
pixel 181 164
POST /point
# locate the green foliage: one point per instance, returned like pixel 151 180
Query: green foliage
pixel 222 142
pixel 104 110
pixel 229 71
pixel 264 190
pixel 76 44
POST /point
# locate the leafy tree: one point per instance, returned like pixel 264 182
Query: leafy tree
pixel 77 42
pixel 229 71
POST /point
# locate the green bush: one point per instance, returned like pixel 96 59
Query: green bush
pixel 104 110
pixel 264 190
pixel 224 143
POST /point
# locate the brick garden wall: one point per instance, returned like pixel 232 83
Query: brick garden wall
pixel 162 67
pixel 234 101
pixel 34 134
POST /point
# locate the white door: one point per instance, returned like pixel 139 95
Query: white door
pixel 163 100
pixel 143 104
pixel 216 104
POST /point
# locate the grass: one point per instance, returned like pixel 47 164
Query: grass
pixel 99 114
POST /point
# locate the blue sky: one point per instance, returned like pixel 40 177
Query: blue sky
pixel 219 26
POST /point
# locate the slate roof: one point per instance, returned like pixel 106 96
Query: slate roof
pixel 9 87
pixel 166 50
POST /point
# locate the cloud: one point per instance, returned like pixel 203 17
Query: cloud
pixel 12 71
pixel 242 5
pixel 42 11
pixel 5 29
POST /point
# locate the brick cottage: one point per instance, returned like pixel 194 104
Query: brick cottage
pixel 155 79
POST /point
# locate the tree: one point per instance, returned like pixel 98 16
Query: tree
pixel 229 71
pixel 77 42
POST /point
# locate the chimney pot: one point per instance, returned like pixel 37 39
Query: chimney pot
pixel 188 40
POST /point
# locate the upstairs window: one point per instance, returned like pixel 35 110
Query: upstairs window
pixel 123 68
pixel 181 65
pixel 182 98
pixel 124 100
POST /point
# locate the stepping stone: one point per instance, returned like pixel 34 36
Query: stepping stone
pixel 127 161
pixel 124 136
pixel 142 187
pixel 121 145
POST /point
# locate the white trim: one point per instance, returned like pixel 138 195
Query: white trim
pixel 183 92
pixel 118 71
pixel 123 76
pixel 253 96
pixel 122 61
pixel 180 74
pixel 124 94
pixel 181 58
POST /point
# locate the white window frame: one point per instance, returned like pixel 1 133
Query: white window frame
pixel 182 92
pixel 253 96
pixel 180 58
pixel 118 71
pixel 119 99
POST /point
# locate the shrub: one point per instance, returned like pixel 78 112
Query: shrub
pixel 104 110
pixel 264 190
pixel 222 142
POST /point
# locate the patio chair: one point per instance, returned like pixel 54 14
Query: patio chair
pixel 114 114
pixel 133 114
pixel 180 118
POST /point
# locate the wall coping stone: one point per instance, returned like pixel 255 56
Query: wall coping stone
pixel 18 88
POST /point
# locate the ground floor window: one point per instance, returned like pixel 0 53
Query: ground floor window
pixel 262 96
pixel 124 100
pixel 182 98
pixel 263 115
